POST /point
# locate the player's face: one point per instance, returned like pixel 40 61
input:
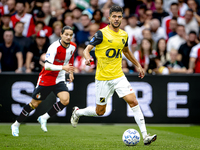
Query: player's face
pixel 115 19
pixel 66 36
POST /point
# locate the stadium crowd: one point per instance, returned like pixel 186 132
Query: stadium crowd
pixel 163 34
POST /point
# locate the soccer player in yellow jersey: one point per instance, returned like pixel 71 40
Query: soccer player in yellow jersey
pixel 109 44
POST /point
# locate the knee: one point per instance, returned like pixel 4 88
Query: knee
pixel 133 103
pixel 65 101
pixel 100 112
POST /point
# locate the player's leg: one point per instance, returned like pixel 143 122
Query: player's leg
pixel 124 89
pixel 61 91
pixel 23 115
pixel 139 118
pixel 103 92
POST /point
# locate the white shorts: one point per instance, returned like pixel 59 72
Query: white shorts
pixel 105 89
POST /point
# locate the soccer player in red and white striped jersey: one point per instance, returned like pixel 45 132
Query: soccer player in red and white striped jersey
pixel 59 60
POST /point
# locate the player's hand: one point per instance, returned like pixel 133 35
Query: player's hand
pixel 71 77
pixel 68 68
pixel 87 61
pixel 141 72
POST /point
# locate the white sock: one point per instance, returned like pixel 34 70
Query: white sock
pixel 45 116
pixel 88 111
pixel 139 118
pixel 16 123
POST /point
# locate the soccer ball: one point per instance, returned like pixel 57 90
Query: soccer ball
pixel 131 137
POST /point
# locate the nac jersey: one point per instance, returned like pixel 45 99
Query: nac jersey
pixel 108 50
pixel 56 55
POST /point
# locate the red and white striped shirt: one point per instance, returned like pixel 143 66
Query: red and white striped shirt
pixel 56 55
pixel 28 21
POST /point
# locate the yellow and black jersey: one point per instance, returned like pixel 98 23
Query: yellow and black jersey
pixel 108 50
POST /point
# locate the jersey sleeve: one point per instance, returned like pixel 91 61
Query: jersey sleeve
pixel 96 39
pixel 51 53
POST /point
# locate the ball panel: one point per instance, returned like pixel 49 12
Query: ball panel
pixel 131 137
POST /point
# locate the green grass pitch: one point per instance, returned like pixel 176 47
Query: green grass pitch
pixel 97 137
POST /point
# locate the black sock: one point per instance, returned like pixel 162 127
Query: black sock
pixel 58 106
pixel 25 112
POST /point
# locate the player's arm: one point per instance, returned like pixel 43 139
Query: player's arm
pixel 29 57
pixel 19 62
pixel 191 65
pixel 130 57
pixel 96 39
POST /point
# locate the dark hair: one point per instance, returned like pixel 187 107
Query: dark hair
pixel 192 32
pixel 141 48
pixel 174 18
pixel 21 1
pixel 172 4
pixel 97 10
pixel 66 28
pixel 39 22
pixel 115 8
pixel 158 50
pixel 190 10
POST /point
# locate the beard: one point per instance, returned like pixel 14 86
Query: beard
pixel 66 42
pixel 115 26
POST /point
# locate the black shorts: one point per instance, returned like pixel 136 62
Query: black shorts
pixel 41 92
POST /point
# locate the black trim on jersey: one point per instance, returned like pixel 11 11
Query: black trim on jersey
pixel 47 62
pixel 96 39
pixel 62 45
pixel 126 44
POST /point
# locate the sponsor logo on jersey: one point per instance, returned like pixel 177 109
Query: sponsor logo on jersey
pixel 110 41
pixel 38 96
pixel 123 41
pixel 60 61
pixel 102 99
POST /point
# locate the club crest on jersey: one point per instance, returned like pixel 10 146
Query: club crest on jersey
pixel 38 96
pixel 47 55
pixel 123 41
pixel 92 40
pixel 102 99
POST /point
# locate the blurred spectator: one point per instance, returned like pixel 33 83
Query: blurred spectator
pixel 6 21
pixel 47 12
pixel 149 5
pixel 173 65
pixel 23 17
pixel 149 16
pixel 173 13
pixel 39 25
pixel 190 22
pixel 130 6
pixel 82 4
pixel 41 17
pixel 35 55
pixel 1 30
pixel 194 62
pixel 142 55
pixel 79 62
pixel 184 50
pixel 159 13
pixel 124 23
pixel 167 4
pixel 69 21
pixel 156 67
pixel 106 15
pixel 57 27
pixel 84 34
pixel 23 41
pixel 133 31
pixel 172 26
pixel 11 7
pixel 3 7
pixel 141 15
pixel 177 40
pixel 97 18
pixel 93 7
pixel 77 13
pixel 10 54
pixel 104 4
pixel 192 4
pixel 156 30
pixel 182 7
pixel 125 66
pixel 146 33
pixel 162 51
